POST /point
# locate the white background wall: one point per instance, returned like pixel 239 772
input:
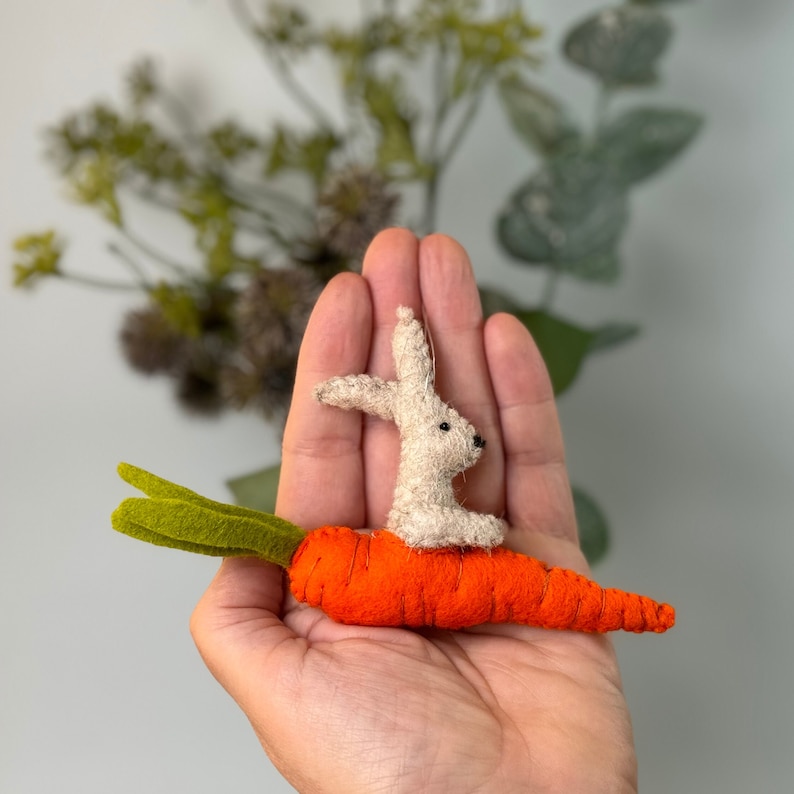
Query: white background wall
pixel 685 436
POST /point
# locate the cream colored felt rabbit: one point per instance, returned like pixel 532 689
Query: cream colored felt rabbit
pixel 436 444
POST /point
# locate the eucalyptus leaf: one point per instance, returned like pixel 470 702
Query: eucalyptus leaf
pixel 603 267
pixel 564 346
pixel 570 211
pixel 592 524
pixel 620 45
pixel 538 118
pixel 257 490
pixel 642 141
pixel 612 335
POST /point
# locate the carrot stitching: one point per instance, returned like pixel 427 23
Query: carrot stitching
pixel 576 615
pixel 460 571
pixel 545 585
pixel 493 604
pixel 298 554
pixel 353 561
pixel 603 604
pixel 402 609
pixel 642 615
pixel 309 576
pixel 366 561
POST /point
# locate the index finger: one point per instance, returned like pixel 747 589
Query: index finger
pixel 322 477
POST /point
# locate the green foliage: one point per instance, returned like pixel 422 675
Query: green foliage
pixel 38 256
pixel 396 153
pixel 620 45
pixel 592 525
pixel 568 217
pixel 640 142
pixel 178 305
pixel 309 154
pixel 236 189
pixel 612 335
pixel 563 345
pixel 257 490
pixel 537 117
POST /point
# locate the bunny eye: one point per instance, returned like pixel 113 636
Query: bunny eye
pixel 444 426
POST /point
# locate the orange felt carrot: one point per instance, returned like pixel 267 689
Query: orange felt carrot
pixel 377 580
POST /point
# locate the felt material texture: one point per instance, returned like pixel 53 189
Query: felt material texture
pixel 377 580
pixel 179 518
pixel 436 443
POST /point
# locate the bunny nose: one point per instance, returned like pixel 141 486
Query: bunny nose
pixel 479 442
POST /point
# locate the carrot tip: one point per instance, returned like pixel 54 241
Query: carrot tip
pixel 666 618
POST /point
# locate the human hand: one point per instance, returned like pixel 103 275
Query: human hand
pixel 342 708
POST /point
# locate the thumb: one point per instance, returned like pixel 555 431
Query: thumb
pixel 237 625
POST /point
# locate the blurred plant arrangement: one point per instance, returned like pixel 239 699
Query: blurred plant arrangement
pixel 274 214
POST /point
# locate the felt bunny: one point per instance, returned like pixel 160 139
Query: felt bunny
pixel 436 444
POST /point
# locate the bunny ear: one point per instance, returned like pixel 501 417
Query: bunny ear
pixel 412 358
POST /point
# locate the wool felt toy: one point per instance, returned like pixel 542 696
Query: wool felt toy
pixel 435 565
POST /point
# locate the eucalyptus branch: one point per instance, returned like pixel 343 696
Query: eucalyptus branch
pixel 550 287
pixel 601 114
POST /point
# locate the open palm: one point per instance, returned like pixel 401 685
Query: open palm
pixel 353 709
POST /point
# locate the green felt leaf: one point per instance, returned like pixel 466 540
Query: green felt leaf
pixel 258 489
pixel 620 45
pixel 564 346
pixel 177 517
pixel 642 141
pixel 570 211
pixel 538 118
pixel 592 524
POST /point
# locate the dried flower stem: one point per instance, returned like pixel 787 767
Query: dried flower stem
pixel 132 265
pixel 282 70
pixel 183 271
pixel 98 283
